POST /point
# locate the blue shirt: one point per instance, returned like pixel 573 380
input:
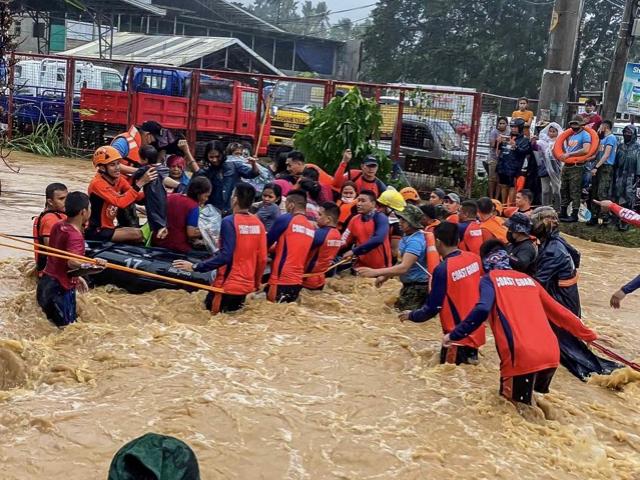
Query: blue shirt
pixel 224 179
pixel 576 142
pixel 613 142
pixel 415 244
pixel 122 146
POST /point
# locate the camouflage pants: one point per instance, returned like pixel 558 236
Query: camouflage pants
pixel 412 296
pixel 571 186
pixel 601 188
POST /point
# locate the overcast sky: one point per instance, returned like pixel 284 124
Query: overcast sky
pixel 342 5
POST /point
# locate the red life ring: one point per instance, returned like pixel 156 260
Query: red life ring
pixel 558 147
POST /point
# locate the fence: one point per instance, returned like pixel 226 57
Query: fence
pixel 84 103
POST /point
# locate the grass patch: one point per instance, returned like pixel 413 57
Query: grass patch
pixel 609 235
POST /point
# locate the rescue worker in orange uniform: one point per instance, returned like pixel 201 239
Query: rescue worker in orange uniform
pixel 55 195
pixel 452 207
pixel 454 293
pixel 489 220
pixel 519 311
pixel 369 231
pixel 292 234
pixel 242 257
pixel 365 178
pixel 109 192
pixel 325 247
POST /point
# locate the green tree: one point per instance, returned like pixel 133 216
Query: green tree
pixel 350 121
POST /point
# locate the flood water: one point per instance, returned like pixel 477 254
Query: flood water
pixel 334 387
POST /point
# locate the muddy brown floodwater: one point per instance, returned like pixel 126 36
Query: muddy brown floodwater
pixel 334 387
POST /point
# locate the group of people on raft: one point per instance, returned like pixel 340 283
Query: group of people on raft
pixel 466 261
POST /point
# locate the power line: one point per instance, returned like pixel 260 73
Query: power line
pixel 327 13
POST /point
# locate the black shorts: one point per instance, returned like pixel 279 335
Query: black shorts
pixel 223 302
pixel 58 304
pixel 506 180
pixel 521 387
pixel 457 354
pixel 128 217
pixel 99 234
pixel 283 293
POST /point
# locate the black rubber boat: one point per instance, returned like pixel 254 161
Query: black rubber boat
pixel 153 260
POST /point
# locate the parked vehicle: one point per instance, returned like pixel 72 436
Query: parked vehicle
pixel 430 153
pixel 226 109
pixel 40 89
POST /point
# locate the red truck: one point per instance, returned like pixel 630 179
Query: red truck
pixel 226 109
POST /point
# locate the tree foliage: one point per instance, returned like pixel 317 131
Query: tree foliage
pixel 349 121
pixel 496 46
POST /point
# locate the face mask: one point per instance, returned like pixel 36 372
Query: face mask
pixel 538 230
pixel 575 129
pixel 348 200
pixel 627 137
pixel 510 237
pixel 601 135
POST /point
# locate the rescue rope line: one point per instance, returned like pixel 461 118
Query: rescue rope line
pixel 54 252
pixel 615 356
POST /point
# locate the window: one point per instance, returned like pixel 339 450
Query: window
pixel 154 82
pixel 249 101
pixel 216 90
pixel 17 28
pixel 111 81
pixel 17 71
pixel 60 71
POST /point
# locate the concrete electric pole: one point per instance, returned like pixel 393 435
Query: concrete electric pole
pixel 556 77
pixel 619 63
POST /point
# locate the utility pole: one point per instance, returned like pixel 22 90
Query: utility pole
pixel 556 77
pixel 619 63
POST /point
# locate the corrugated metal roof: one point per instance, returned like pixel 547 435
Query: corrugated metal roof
pixel 165 49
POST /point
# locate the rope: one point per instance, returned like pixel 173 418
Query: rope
pixel 615 356
pixel 54 252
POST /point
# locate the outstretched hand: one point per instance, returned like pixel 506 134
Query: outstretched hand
pixel 183 265
pixel 603 204
pixel 616 299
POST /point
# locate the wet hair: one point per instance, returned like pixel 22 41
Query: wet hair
pixel 349 183
pixel 75 203
pixel 245 195
pixel 296 156
pixel 311 188
pixel 523 98
pixel 448 233
pixel 276 189
pixel 332 210
pixel 500 119
pixel 311 174
pixel 485 205
pixel 608 123
pixel 233 146
pixel 590 101
pixel 214 145
pixel 149 153
pixel 429 211
pixel 53 188
pixel 525 192
pixel 470 208
pixel 368 193
pixel 197 186
pixel 298 198
pixel 490 246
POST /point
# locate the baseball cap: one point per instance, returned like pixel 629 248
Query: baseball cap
pixel 577 119
pixel 454 197
pixel 519 222
pixel 152 127
pixel 370 160
pixel 439 192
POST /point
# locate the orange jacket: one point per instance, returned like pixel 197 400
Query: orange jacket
pixel 106 198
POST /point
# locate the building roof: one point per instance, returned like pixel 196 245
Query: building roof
pixel 120 6
pixel 171 50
